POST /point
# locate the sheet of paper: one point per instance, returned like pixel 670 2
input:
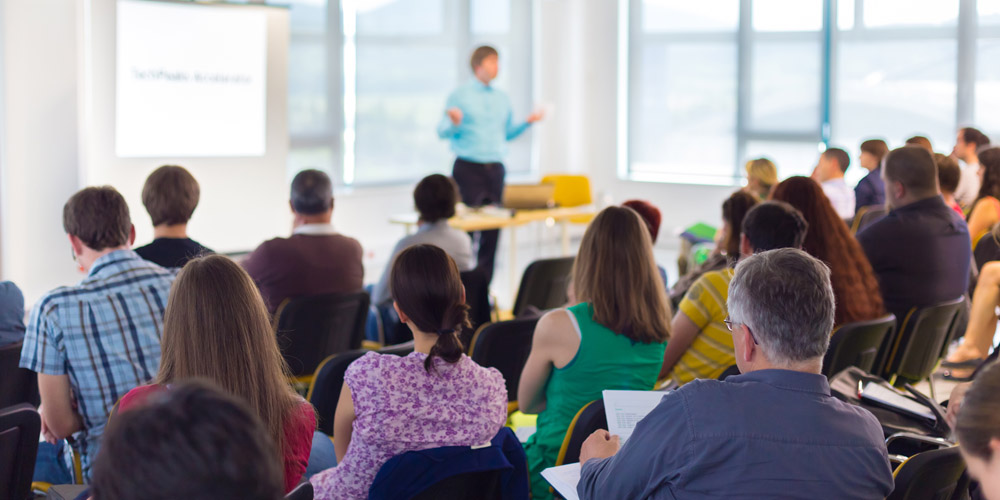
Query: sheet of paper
pixel 624 409
pixel 525 432
pixel 564 479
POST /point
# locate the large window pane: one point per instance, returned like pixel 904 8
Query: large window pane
pixel 845 15
pixel 400 17
pixel 791 158
pixel 787 15
pixel 688 16
pixel 490 16
pixel 308 16
pixel 308 105
pixel 910 13
pixel 989 12
pixel 988 87
pixel 785 85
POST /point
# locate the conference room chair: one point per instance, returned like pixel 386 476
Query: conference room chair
pixel 913 352
pixel 505 346
pixel 589 419
pixel 986 249
pixel 496 471
pixel 309 329
pixel 857 344
pixel 324 390
pixel 19 429
pixel 866 216
pixel 544 285
pixel 931 475
pixel 304 491
pixel 19 385
pixel 571 191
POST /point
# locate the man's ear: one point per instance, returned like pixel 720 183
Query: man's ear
pixel 745 247
pixel 77 244
pixel 131 235
pixel 749 347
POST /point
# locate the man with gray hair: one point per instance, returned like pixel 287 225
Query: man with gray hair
pixel 774 431
pixel 316 259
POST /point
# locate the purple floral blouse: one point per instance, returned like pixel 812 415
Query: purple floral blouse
pixel 400 407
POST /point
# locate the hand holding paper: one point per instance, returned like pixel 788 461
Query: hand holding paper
pixel 600 444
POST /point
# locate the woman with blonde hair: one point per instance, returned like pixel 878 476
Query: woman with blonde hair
pixel 762 175
pixel 613 338
pixel 216 327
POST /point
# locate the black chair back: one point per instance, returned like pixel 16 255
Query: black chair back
pixel 19 429
pixel 311 328
pixel 729 372
pixel 986 249
pixel 303 491
pixel 857 344
pixel 505 346
pixel 931 475
pixel 19 385
pixel 913 352
pixel 589 419
pixel 544 285
pixel 480 485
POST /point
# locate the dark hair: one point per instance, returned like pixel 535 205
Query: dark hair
pixel 989 160
pixel 840 156
pixel 920 142
pixel 435 197
pixel 481 52
pixel 914 168
pixel 948 172
pixel 192 442
pixel 979 416
pixel 734 211
pixel 973 135
pixel 829 240
pixel 649 214
pixel 774 224
pixel 312 192
pixel 99 217
pixel 427 287
pixel 170 195
pixel 876 148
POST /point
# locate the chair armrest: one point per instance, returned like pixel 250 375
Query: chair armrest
pixel 934 441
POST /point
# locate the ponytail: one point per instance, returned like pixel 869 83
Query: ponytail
pixel 448 347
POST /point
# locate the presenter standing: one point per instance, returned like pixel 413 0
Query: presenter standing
pixel 479 120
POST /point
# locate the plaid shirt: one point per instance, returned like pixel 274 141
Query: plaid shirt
pixel 104 333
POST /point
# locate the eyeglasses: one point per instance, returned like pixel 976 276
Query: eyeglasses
pixel 729 324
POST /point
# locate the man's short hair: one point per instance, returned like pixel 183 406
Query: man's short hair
pixel 920 141
pixel 774 224
pixel 913 168
pixel 435 197
pixel 948 172
pixel 481 52
pixel 976 137
pixel 876 148
pixel 99 217
pixel 312 192
pixel 785 297
pixel 840 156
pixel 170 195
pixel 192 442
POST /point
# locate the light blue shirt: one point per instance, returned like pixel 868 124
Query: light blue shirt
pixel 487 123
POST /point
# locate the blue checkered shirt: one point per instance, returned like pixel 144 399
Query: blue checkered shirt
pixel 104 333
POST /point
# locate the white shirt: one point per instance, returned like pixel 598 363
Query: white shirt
pixel 968 185
pixel 841 197
pixel 317 229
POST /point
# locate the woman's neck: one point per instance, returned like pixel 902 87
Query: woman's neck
pixel 422 341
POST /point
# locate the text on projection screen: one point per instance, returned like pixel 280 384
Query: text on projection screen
pixel 191 80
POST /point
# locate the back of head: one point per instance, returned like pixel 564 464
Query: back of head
pixel 481 52
pixel 734 210
pixel 913 168
pixel 435 198
pixel 427 288
pixel 763 170
pixel 774 224
pixel 948 172
pixel 99 217
pixel 921 142
pixel 808 198
pixel 615 273
pixel 195 443
pixel 170 195
pixel 989 160
pixel 876 148
pixel 974 136
pixel 649 213
pixel 784 296
pixel 312 192
pixel 216 327
pixel 979 419
pixel 840 156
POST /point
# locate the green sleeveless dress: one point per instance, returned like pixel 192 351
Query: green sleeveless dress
pixel 605 360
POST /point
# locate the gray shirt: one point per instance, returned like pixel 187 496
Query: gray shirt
pixel 11 314
pixel 765 434
pixel 454 242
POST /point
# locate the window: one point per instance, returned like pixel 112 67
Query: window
pixel 368 81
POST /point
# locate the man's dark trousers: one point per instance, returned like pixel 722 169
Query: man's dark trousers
pixel 481 184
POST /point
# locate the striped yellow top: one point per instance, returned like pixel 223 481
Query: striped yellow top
pixel 712 350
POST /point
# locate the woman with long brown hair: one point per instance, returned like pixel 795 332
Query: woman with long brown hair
pixel 612 339
pixel 216 327
pixel 985 211
pixel 854 284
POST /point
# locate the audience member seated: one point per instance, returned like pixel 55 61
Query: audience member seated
pixel 762 176
pixel 920 250
pixel 700 344
pixel 829 240
pixel 11 314
pixel 829 173
pixel 978 430
pixel 315 260
pixel 612 339
pixel 948 175
pixel 170 196
pixel 734 209
pixel 773 432
pixel 968 143
pixel 437 396
pixel 92 342
pixel 192 443
pixel 870 189
pixel 985 211
pixel 217 328
pixel 920 142
pixel 435 198
pixel 651 216
pixel 978 339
